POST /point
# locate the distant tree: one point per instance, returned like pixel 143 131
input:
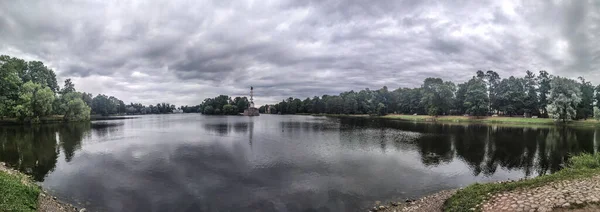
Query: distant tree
pixel 102 105
pixel 438 96
pixel 586 106
pixel 230 109
pixel 208 110
pixel 74 107
pixel 597 113
pixel 531 102
pixel 68 88
pixel 564 97
pixel 511 96
pixel 461 95
pixel 35 101
pixel 543 81
pixel 477 100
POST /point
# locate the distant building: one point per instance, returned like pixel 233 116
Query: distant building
pixel 177 111
pixel 251 111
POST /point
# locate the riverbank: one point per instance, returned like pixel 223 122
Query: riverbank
pixel 577 186
pixel 20 193
pixel 473 120
pixel 59 119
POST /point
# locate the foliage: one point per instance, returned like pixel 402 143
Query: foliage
pixel 564 97
pixel 585 165
pixel 16 195
pixel 74 107
pixel 543 81
pixel 34 101
pixel 438 96
pixel 223 105
pixel 586 106
pixel 476 101
pixel 597 113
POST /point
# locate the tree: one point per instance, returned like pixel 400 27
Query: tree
pixel 438 96
pixel 597 113
pixel 102 105
pixel 230 109
pixel 461 95
pixel 208 110
pixel 35 101
pixel 511 96
pixel 68 88
pixel 543 80
pixel 477 100
pixel 531 97
pixel 38 73
pixel 75 108
pixel 9 83
pixel 586 106
pixel 565 95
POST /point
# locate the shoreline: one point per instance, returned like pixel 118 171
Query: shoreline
pixel 514 121
pixel 573 187
pixel 58 120
pixel 35 193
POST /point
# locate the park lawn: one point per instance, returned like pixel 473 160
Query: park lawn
pixel 17 193
pixel 470 119
pixel 581 166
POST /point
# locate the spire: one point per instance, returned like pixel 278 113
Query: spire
pixel 251 96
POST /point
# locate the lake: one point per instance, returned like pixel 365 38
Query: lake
pixel 191 162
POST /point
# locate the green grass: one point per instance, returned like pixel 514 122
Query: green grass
pixel 15 195
pixel 490 120
pixel 585 165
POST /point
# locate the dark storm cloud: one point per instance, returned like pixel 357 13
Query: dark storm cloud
pixel 183 52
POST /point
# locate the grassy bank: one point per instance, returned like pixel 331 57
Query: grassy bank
pixel 581 166
pixel 17 193
pixel 474 120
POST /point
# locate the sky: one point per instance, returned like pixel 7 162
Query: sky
pixel 182 52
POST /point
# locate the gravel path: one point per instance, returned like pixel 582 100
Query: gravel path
pixel 561 194
pixel 431 203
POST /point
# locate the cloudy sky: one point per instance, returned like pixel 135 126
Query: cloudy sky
pixel 184 51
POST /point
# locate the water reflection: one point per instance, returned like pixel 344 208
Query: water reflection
pixel 276 163
pixel 34 149
pixel 485 148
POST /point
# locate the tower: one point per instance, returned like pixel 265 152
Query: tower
pixel 251 97
pixel 251 111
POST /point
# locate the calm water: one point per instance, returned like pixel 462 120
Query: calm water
pixel 275 163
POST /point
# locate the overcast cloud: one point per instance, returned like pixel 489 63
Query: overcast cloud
pixel 184 51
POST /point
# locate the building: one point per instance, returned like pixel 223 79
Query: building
pixel 251 110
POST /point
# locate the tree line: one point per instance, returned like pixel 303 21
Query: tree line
pixel 485 94
pixel 29 92
pixel 224 105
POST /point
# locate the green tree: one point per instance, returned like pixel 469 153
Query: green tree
pixel 438 96
pixel 38 73
pixel 35 101
pixel 230 109
pixel 565 95
pixel 208 110
pixel 543 81
pixel 102 105
pixel 477 100
pixel 9 83
pixel 586 106
pixel 511 96
pixel 531 102
pixel 74 107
